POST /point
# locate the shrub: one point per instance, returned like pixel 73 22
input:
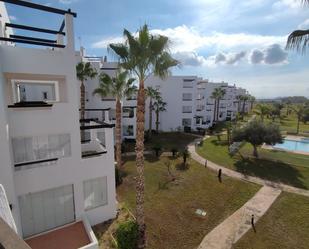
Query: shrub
pixel 174 151
pixel 157 148
pixel 127 235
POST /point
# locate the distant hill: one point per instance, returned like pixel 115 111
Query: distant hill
pixel 291 99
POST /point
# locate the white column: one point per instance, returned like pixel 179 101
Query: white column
pixel 69 32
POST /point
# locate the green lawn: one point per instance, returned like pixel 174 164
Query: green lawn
pixel 170 205
pixel 288 168
pixel 284 226
pixel 168 141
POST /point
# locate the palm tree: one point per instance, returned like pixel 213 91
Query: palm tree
pixel 217 95
pixel 262 110
pixel 153 94
pixel 119 87
pixel 252 100
pixel 143 55
pixel 159 106
pixel 299 39
pixel 84 71
pixel 299 111
pixel 244 99
pixel 288 104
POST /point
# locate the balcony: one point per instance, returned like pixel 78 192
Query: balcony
pixel 65 30
pixel 93 142
pixel 78 235
pixel 93 148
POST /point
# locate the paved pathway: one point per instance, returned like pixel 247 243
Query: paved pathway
pixel 235 226
pixel 238 175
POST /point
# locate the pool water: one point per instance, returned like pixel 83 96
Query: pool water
pixel 293 145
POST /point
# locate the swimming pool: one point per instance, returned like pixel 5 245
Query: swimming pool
pixel 294 145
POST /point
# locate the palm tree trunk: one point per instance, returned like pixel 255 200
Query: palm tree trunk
pixel 215 109
pixel 140 185
pixel 118 133
pixel 150 118
pixel 243 108
pixel 298 121
pixel 255 151
pixel 82 100
pixel 218 105
pixel 157 121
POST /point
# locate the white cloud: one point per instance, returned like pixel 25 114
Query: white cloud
pixel 190 58
pixel 282 4
pixel 304 24
pixel 189 39
pixel 273 54
pixel 256 56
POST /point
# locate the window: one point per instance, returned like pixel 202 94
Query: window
pixel 45 95
pixel 187 96
pixel 128 130
pixel 35 90
pixel 186 122
pixel 187 109
pixel 128 112
pixel 37 148
pixel 188 83
pixel 95 193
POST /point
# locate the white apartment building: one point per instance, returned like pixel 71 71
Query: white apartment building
pixel 189 102
pixel 51 179
pixel 188 98
pixel 94 104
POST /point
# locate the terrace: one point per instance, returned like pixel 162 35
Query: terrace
pixel 78 235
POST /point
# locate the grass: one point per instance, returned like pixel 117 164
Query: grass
pixel 289 123
pixel 170 205
pixel 288 168
pixel 168 141
pixel 284 226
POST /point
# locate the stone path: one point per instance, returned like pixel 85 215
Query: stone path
pixel 238 175
pixel 235 226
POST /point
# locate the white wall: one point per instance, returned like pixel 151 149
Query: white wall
pixel 62 117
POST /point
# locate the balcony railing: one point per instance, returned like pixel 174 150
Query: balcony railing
pixel 38 41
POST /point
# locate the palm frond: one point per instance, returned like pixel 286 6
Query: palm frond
pixel 298 40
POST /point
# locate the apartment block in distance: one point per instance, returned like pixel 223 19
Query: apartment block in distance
pixel 95 104
pixel 56 186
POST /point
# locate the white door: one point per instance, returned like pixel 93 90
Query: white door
pixel 45 210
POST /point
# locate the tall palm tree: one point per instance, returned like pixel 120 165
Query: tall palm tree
pixel 262 110
pixel 299 39
pixel 217 95
pixel 119 87
pixel 288 104
pixel 159 106
pixel 153 94
pixel 244 99
pixel 143 55
pixel 252 100
pixel 84 71
pixel 300 112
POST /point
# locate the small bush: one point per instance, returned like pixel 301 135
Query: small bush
pixel 174 151
pixel 127 235
pixel 157 148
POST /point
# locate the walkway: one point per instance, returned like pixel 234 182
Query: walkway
pixel 234 227
pixel 238 175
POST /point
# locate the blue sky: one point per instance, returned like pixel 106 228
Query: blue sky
pixel 240 42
